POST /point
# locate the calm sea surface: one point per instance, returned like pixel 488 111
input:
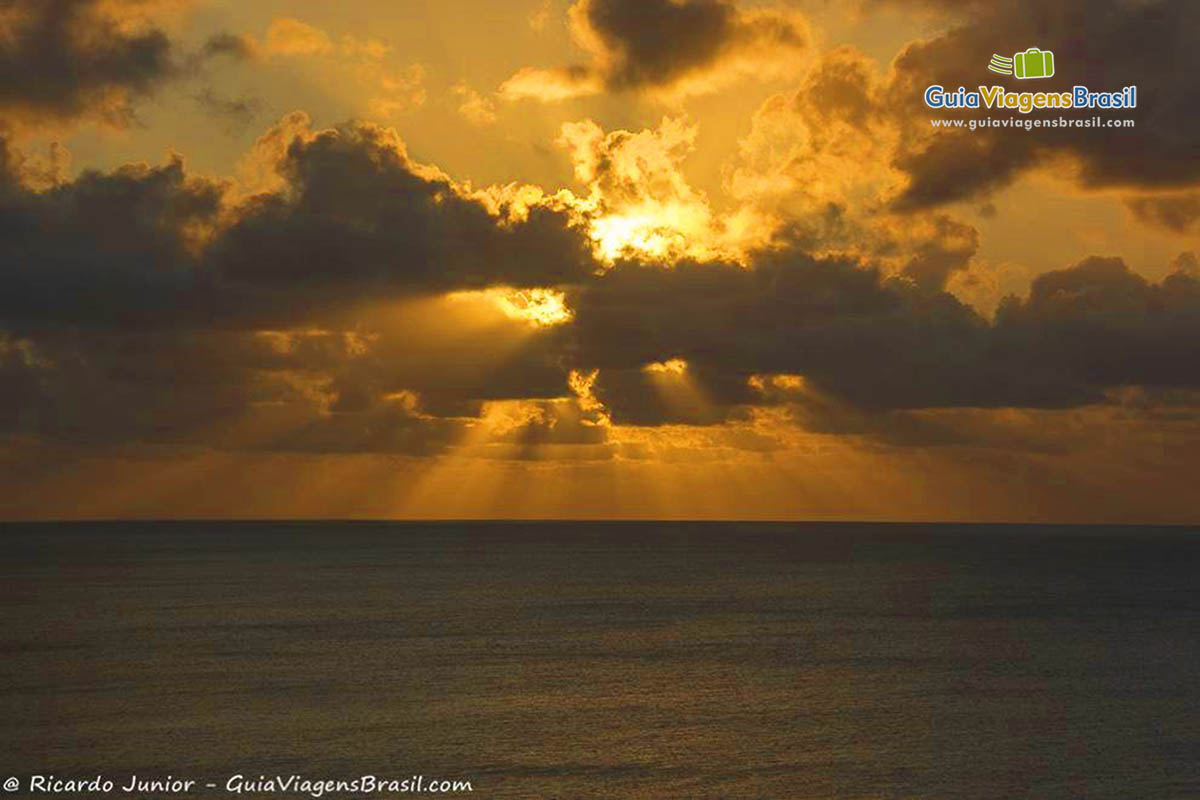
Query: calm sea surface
pixel 566 660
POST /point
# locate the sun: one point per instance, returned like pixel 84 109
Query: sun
pixel 617 235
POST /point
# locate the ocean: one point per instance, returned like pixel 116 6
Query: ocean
pixel 604 660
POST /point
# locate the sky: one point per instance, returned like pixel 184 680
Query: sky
pixel 596 259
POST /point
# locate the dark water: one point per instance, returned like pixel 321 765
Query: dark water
pixel 562 660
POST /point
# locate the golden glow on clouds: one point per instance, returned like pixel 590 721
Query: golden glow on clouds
pixel 646 234
pixel 640 204
pixel 348 64
pixel 548 85
pixel 477 109
pixel 796 164
pixel 674 366
pixel 793 384
pixel 537 307
pixel 291 37
pixel 583 385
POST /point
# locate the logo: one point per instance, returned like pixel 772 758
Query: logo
pixel 1033 63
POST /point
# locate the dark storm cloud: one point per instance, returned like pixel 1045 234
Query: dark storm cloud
pixel 95 387
pixel 1102 325
pixel 317 392
pixel 869 340
pixel 657 44
pixel 356 218
pixel 957 166
pixel 883 344
pixel 455 374
pixel 1103 44
pixel 67 59
pixel 386 426
pixel 704 395
pixel 134 310
pixel 226 390
pixel 106 248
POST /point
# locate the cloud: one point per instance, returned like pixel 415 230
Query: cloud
pixel 852 136
pixel 1104 326
pixel 1105 45
pixel 223 390
pixel 342 298
pixel 550 85
pixel 355 300
pixel 638 202
pixel 355 214
pixel 1178 212
pixel 151 305
pixel 948 248
pixel 398 90
pixel 239 112
pixel 237 46
pixel 665 46
pixel 827 141
pixel 348 60
pixel 878 344
pixel 67 60
pixel 287 36
pixel 118 247
pixel 311 391
pixel 474 107
pixel 858 335
pixel 341 214
pixel 815 165
pixel 539 20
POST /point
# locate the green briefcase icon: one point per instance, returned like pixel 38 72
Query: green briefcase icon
pixel 1033 63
